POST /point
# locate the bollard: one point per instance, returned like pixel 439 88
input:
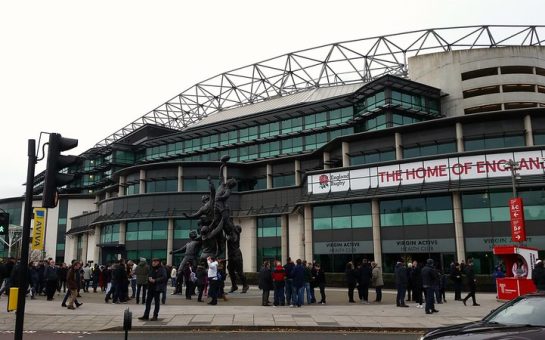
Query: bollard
pixel 127 322
pixel 12 299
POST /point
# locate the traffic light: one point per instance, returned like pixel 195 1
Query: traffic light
pixel 4 223
pixel 55 163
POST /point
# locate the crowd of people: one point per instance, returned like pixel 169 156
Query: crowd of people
pixel 122 281
pixel 291 283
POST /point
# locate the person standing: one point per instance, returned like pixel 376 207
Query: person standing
pixel 428 281
pixel 265 283
pixel 299 283
pixel 51 276
pixel 401 283
pixel 410 269
pixel 471 282
pixel 213 281
pixel 86 277
pixel 157 282
pixel 142 274
pixel 320 282
pixel 351 280
pixel 173 274
pixel 62 272
pixel 417 284
pixel 377 281
pixel 288 268
pixel 456 278
pixel 73 284
pixel 538 276
pixel 201 282
pixel 279 280
pixel 364 279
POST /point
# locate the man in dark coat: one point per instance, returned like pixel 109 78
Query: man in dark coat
pixel 471 283
pixel 538 276
pixel 417 283
pixel 157 283
pixel 265 283
pixel 298 274
pixel 401 283
pixel 429 277
pixel 365 273
pixel 456 278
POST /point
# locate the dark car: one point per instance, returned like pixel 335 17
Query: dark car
pixel 521 318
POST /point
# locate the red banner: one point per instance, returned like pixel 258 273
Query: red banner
pixel 516 210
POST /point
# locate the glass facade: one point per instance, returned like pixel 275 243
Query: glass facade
pixel 341 216
pixel 493 142
pixel 416 211
pixel 61 231
pixel 373 157
pixel 491 206
pixel 429 149
pixel 147 230
pixel 162 185
pixel 110 233
pixel 268 240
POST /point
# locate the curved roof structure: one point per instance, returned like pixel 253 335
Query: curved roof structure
pixel 341 63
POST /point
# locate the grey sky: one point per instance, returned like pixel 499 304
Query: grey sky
pixel 87 68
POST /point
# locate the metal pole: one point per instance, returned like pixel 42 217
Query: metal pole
pixel 23 265
pixel 512 165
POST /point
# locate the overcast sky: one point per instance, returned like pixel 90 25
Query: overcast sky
pixel 85 69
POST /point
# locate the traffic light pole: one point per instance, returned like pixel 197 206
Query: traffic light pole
pixel 23 265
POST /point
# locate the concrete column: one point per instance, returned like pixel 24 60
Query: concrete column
pixel 96 257
pixel 296 236
pixel 107 195
pixel 284 237
pixel 297 168
pixel 458 226
pixel 327 159
pixel 121 186
pixel 84 247
pixel 248 243
pixel 170 240
pixel 122 232
pixel 459 137
pixel 308 233
pixel 345 152
pixel 528 130
pixel 269 176
pixel 399 149
pixel 142 182
pixel 180 178
pixel 377 244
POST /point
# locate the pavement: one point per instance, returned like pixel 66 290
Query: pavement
pixel 244 312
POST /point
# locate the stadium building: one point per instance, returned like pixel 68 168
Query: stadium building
pixel 407 145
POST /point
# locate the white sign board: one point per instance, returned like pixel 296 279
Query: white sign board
pixel 437 170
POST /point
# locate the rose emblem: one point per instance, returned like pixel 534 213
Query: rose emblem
pixel 324 181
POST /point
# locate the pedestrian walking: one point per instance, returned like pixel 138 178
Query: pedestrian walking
pixel 73 284
pixel 320 281
pixel 471 283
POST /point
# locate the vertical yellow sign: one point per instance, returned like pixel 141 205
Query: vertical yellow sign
pixel 38 236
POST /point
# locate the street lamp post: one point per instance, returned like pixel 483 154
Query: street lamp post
pixel 513 166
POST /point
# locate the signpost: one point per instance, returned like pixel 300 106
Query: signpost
pixel 516 210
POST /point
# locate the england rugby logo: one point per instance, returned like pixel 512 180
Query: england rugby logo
pixel 324 181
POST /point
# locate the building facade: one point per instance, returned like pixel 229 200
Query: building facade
pixel 412 163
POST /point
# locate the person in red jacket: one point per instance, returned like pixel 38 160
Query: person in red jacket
pixel 279 278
